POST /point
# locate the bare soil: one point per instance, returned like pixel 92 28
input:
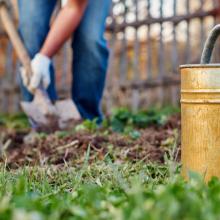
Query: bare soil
pixel 71 149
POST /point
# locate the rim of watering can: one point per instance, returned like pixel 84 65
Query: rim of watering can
pixel 209 65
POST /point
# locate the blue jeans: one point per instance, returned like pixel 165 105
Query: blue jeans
pixel 90 51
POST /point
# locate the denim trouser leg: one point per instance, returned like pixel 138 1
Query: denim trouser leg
pixel 90 59
pixel 34 25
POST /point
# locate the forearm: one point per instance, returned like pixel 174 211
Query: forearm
pixel 63 26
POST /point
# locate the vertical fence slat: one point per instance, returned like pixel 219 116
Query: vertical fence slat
pixel 161 44
pixel 123 49
pixel 161 91
pixel 9 78
pixel 9 64
pixel 188 41
pixel 136 45
pixel 149 42
pixel 202 30
pixel 174 43
pixel 17 97
pixel 175 57
pixel 135 93
pixel 215 4
pixel 110 79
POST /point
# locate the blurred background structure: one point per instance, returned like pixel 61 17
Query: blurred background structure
pixel 148 39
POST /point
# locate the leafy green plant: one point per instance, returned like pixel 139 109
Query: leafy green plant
pixel 122 119
pixel 88 125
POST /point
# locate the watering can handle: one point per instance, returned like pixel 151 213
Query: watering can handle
pixel 209 45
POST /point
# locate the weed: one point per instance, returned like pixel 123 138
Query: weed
pixel 122 119
pixel 16 121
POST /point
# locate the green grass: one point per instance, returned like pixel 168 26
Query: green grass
pixel 107 191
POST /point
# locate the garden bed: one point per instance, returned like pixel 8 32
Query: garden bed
pixel 118 142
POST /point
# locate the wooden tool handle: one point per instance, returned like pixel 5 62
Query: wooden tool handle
pixel 18 45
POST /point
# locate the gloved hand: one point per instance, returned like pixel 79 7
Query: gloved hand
pixel 41 73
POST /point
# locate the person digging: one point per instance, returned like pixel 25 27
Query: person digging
pixel 84 20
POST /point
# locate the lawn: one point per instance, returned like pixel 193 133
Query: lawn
pixel 127 169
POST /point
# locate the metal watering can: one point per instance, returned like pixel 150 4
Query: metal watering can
pixel 200 112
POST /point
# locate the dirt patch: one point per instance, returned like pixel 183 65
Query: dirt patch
pixel 71 149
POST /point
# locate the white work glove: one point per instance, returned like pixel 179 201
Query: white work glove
pixel 41 73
